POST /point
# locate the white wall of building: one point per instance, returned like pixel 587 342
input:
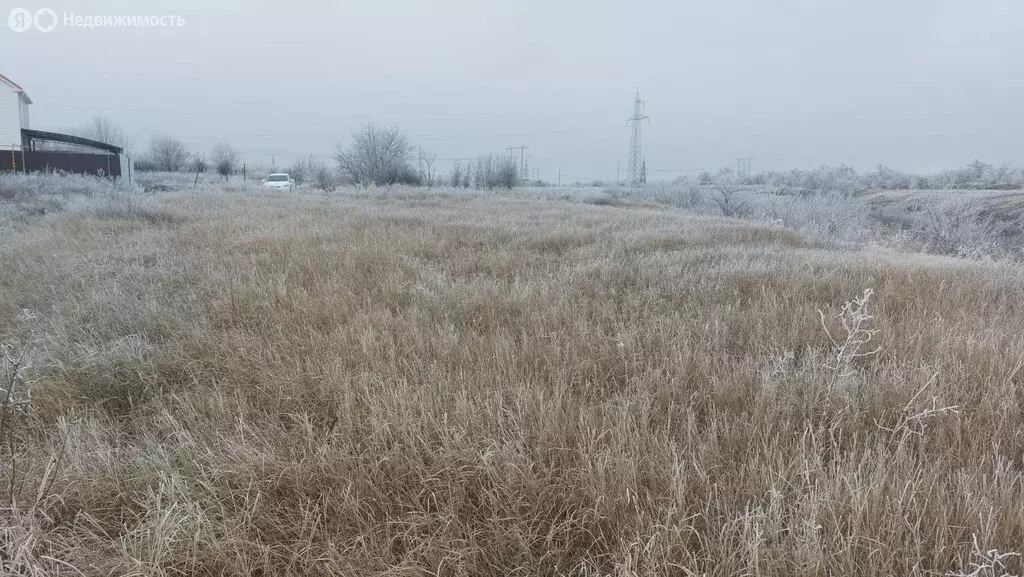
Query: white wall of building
pixel 23 105
pixel 10 117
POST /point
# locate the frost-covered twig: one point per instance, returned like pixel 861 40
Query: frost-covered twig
pixel 852 345
pixel 990 563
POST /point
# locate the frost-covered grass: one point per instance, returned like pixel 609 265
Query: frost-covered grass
pixel 831 220
pixel 981 225
pixel 977 225
pixel 969 224
pixel 25 198
pixel 402 382
pixel 25 187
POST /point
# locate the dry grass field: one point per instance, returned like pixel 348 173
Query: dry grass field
pixel 984 224
pixel 236 383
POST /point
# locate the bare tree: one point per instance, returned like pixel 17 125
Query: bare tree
pixel 103 130
pixel 303 170
pixel 428 173
pixel 378 155
pixel 491 171
pixel 314 172
pixel 198 163
pixel 480 172
pixel 225 159
pixel 728 198
pixel 323 177
pixel 167 153
pixel 457 177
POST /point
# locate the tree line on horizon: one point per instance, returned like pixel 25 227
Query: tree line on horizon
pixel 382 155
pixel 377 155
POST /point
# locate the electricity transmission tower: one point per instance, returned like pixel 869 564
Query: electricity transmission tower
pixel 743 166
pixel 636 171
pixel 523 172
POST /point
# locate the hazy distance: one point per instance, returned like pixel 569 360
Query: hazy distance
pixel 918 84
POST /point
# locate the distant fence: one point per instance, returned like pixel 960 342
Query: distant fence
pixel 25 160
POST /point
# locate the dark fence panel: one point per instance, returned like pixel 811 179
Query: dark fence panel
pixel 46 160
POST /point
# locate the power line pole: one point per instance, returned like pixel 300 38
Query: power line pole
pixel 522 159
pixel 634 171
pixel 559 176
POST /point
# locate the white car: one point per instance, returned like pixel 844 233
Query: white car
pixel 279 181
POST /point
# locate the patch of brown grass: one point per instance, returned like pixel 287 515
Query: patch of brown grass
pixel 356 385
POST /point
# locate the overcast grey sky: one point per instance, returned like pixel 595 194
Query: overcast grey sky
pixel 915 84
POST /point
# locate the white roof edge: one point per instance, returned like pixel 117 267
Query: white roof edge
pixel 16 88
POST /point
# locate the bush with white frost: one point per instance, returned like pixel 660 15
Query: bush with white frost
pixel 26 196
pixel 20 187
pixel 377 155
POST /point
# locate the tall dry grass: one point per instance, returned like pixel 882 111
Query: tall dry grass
pixel 480 385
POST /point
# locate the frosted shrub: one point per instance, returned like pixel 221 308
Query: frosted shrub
pixel 19 187
pixel 830 219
